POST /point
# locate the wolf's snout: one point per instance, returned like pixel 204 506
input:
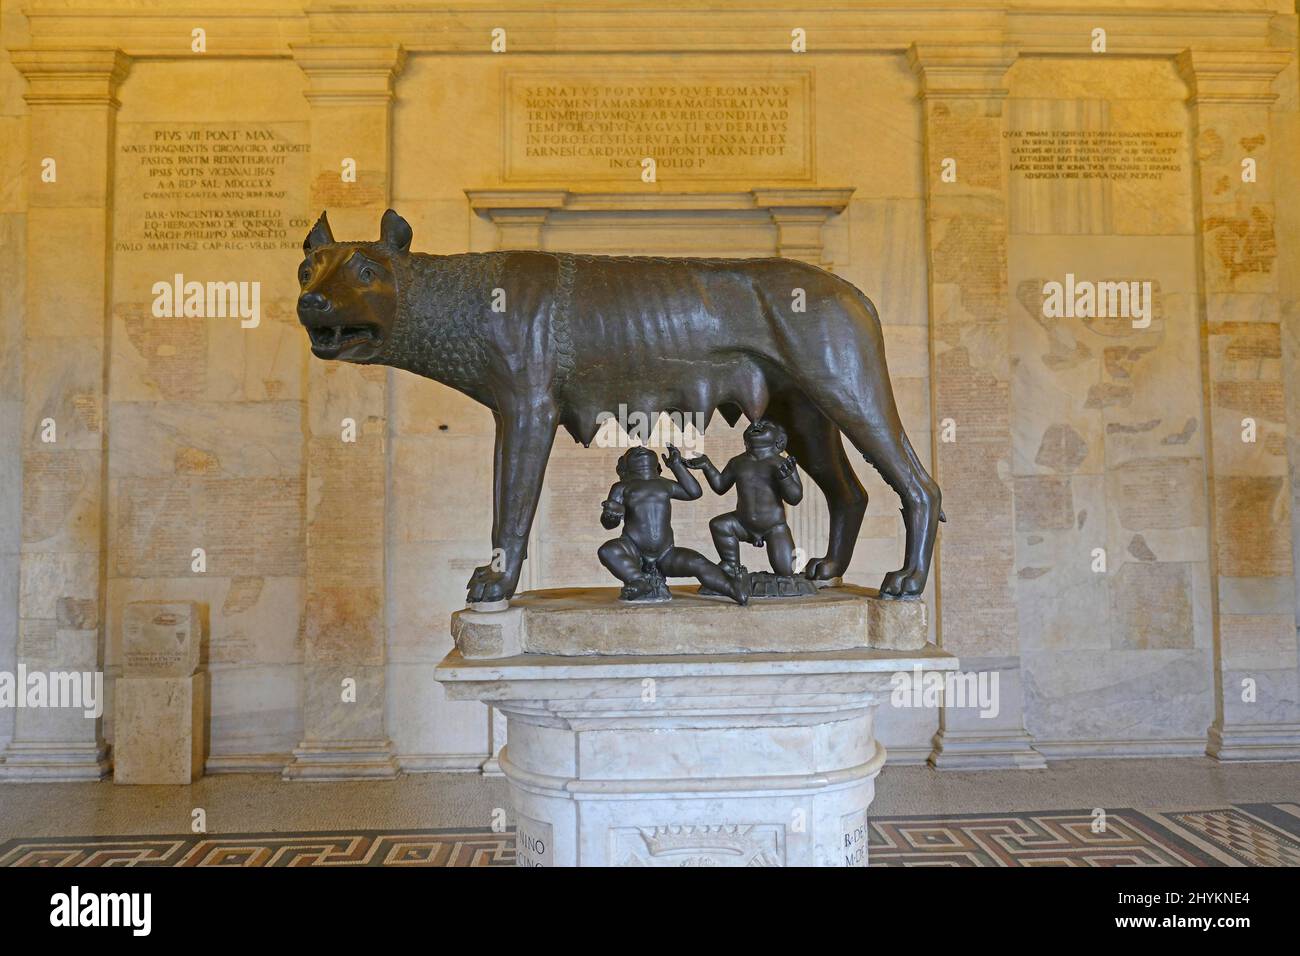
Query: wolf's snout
pixel 313 302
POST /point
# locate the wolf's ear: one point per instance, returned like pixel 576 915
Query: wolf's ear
pixel 395 232
pixel 320 235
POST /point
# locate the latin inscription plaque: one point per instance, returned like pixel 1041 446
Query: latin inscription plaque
pixel 207 187
pixel 695 126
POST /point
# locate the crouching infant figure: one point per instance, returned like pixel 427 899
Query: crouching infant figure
pixel 644 554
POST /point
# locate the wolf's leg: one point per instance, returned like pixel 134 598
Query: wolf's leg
pixel 483 571
pixel 816 443
pixel 884 444
pixel 859 399
pixel 527 430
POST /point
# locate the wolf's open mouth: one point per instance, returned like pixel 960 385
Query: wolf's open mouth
pixel 334 338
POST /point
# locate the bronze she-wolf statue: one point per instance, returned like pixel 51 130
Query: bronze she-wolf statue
pixel 549 339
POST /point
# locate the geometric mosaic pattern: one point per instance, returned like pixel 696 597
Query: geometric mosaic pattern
pixel 1054 838
pixel 1241 835
pixel 1256 834
pixel 362 848
pixel 1252 834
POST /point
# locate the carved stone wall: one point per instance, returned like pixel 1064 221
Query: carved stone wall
pixel 1121 540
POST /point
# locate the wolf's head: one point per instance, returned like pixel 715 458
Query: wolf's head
pixel 348 302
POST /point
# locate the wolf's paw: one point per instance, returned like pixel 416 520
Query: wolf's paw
pixel 903 583
pixel 481 574
pixel 489 587
pixel 822 569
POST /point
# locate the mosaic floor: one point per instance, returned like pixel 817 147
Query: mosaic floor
pixel 1248 834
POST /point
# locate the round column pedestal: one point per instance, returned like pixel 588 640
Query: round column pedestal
pixel 733 759
pixel 704 780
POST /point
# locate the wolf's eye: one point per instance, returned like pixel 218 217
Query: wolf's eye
pixel 367 274
pixel 304 274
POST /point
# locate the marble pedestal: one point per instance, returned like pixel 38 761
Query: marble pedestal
pixel 729 758
pixel 159 727
pixel 160 702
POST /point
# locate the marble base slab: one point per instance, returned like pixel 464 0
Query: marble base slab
pixel 159 726
pixel 343 760
pixel 990 750
pixel 687 759
pixel 53 762
pixel 1262 742
pixel 592 621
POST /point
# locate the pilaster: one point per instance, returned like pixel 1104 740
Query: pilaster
pixel 350 90
pixel 72 96
pixel 962 92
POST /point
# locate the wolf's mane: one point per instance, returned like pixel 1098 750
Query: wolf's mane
pixel 442 302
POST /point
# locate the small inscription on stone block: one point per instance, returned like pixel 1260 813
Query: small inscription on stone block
pixel 161 638
pixel 534 843
pixel 853 841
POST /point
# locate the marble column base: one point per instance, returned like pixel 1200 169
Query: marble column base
pixel 159 729
pixel 989 750
pixel 42 762
pixel 1241 742
pixel 968 739
pixel 338 760
pixel 689 760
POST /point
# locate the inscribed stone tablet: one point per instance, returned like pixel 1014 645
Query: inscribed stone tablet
pixel 161 638
pixel 713 125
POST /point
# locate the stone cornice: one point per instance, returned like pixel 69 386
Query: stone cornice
pixel 275 27
pixel 798 213
pixel 78 77
pixel 961 70
pixel 510 201
pixel 1231 78
pixel 349 74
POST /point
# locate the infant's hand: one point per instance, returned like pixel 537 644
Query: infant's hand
pixel 787 467
pixel 674 455
pixel 697 462
pixel 611 514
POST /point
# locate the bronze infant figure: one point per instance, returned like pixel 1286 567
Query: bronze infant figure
pixel 581 334
pixel 765 481
pixel 645 553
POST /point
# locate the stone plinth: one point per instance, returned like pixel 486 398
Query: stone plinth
pixel 726 758
pixel 160 702
pixel 582 621
pixel 159 727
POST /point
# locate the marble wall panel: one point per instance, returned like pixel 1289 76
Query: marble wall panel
pixel 206 416
pixel 1074 434
pixel 1109 416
